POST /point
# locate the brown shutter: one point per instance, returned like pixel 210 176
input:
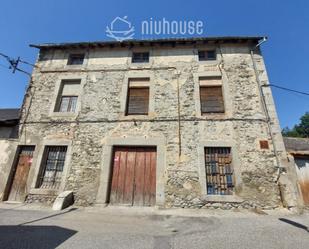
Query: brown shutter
pixel 211 99
pixel 138 101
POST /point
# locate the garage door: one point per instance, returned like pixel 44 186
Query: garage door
pixel 134 176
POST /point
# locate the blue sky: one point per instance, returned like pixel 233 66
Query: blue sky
pixel 286 23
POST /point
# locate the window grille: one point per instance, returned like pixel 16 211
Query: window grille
pixel 219 172
pixel 52 167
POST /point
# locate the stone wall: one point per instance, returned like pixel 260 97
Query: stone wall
pixel 101 116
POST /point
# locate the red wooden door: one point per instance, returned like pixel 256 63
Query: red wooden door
pixel 18 189
pixel 134 176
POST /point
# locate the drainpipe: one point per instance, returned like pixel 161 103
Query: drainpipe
pixel 178 113
pixel 262 96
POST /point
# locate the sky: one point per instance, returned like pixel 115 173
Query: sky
pixel 286 23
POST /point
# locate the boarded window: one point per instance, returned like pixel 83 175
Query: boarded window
pixel 219 172
pixel 67 98
pixel 52 167
pixel 76 59
pixel 138 101
pixel 207 55
pixel 211 94
pixel 211 99
pixel 138 97
pixel 140 57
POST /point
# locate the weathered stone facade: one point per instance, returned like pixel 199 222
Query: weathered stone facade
pixel 100 120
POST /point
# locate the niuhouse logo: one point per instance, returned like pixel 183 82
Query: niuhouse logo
pixel 165 27
pixel 121 29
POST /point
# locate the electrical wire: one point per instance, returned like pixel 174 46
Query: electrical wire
pixel 287 89
pixel 14 64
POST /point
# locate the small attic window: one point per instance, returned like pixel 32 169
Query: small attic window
pixel 76 59
pixel 209 55
pixel 140 57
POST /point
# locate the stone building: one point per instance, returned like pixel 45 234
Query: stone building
pixel 298 150
pixel 173 123
pixel 9 120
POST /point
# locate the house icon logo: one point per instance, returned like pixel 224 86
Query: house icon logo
pixel 120 29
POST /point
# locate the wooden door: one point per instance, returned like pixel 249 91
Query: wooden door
pixel 134 176
pixel 302 168
pixel 18 189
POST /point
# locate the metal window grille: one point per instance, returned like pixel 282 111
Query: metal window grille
pixel 219 172
pixel 52 168
pixel 140 57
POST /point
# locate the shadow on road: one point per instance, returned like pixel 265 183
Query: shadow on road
pixel 47 217
pixel 43 237
pixel 295 224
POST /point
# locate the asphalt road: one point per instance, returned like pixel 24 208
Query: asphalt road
pixel 75 228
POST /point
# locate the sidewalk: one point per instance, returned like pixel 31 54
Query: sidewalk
pixel 154 211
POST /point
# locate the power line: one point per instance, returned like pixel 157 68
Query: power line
pixel 15 62
pixel 286 89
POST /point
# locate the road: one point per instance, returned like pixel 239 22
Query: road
pixel 117 228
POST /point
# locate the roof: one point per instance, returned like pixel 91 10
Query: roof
pixel 150 42
pixel 9 114
pixel 296 144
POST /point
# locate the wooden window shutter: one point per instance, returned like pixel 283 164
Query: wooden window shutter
pixel 138 101
pixel 211 99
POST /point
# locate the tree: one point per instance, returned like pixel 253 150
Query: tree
pixel 299 130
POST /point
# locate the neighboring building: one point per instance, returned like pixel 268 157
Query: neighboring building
pixel 298 148
pixel 9 121
pixel 172 123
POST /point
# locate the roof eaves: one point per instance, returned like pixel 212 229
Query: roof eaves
pixel 224 39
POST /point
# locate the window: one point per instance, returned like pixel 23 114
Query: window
pixel 67 99
pixel 52 167
pixel 219 172
pixel 76 59
pixel 211 95
pixel 208 55
pixel 140 57
pixel 138 97
pixel 68 103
